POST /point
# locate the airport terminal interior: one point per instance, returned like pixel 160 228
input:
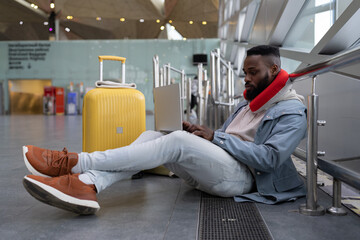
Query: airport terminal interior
pixel 60 58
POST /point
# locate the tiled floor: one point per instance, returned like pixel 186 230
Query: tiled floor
pixel 150 208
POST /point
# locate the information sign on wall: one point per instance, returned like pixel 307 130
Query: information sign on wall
pixel 24 55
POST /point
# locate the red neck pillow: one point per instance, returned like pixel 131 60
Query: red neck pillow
pixel 269 92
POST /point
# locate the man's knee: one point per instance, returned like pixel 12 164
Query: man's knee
pixel 148 132
pixel 151 134
pixel 179 136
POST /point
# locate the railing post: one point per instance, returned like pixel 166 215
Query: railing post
pixel 168 74
pixel 311 207
pixel 200 94
pixel 183 86
pixel 336 208
pixel 230 87
pixel 217 88
pixel 213 82
pixel 164 75
pixel 206 95
pixel 188 99
pixel 156 73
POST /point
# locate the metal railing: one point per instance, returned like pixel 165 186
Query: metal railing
pixel 162 77
pixel 221 96
pixel 222 93
pixel 203 93
pixel 311 155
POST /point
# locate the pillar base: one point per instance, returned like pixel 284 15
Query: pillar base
pixel 319 211
pixel 337 211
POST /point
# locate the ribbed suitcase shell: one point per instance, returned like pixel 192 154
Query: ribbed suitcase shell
pixel 112 118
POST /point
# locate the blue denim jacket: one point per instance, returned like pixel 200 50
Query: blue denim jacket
pixel 279 133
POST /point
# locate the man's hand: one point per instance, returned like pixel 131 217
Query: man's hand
pixel 188 127
pixel 201 131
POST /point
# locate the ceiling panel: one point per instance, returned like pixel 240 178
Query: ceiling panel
pixel 85 26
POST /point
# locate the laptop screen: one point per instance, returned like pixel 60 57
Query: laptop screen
pixel 168 108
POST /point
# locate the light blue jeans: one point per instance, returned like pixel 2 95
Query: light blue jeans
pixel 199 162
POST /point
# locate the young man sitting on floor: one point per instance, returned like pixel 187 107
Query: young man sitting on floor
pixel 248 158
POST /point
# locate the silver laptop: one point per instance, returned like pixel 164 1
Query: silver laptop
pixel 168 108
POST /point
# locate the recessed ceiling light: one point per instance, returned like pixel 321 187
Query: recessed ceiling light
pixel 52 5
pixel 204 22
pixel 98 18
pixel 122 19
pixel 67 29
pixel 21 22
pixel 34 6
pixel 170 21
pixel 158 20
pixel 46 23
pixel 191 22
pixel 141 20
pixel 162 28
pixel 69 17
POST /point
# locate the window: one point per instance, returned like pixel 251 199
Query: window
pixel 289 65
pixel 313 22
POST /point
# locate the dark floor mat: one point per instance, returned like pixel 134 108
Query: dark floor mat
pixel 223 218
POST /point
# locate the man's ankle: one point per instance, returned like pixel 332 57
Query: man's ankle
pixel 77 167
pixel 85 179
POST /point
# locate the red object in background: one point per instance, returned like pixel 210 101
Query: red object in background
pixel 60 101
pixel 49 91
pixel 49 100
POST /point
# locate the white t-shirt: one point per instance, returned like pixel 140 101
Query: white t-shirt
pixel 245 124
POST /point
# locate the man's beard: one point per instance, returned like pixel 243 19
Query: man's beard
pixel 250 95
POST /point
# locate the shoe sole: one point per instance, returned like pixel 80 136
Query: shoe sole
pixel 54 197
pixel 29 166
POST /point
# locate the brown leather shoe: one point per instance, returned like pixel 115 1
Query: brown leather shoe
pixel 48 163
pixel 66 192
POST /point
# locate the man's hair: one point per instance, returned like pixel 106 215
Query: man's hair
pixel 266 50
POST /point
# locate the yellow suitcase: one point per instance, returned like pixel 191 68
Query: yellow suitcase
pixel 112 117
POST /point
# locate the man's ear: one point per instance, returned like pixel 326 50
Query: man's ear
pixel 274 69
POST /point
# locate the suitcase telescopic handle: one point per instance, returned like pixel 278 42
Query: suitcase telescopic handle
pixel 113 58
